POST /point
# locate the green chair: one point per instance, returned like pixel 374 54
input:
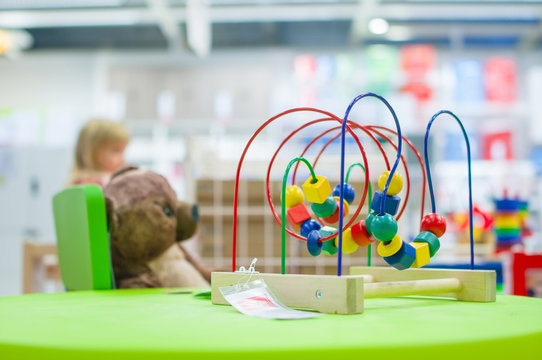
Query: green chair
pixel 82 238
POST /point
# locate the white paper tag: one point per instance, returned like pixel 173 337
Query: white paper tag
pixel 255 299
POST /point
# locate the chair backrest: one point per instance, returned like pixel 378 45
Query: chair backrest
pixel 82 238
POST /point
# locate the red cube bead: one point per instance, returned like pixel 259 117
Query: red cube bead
pixel 434 223
pixel 297 215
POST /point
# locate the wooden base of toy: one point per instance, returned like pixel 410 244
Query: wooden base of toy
pixel 346 294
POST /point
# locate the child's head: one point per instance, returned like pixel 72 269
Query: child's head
pixel 100 146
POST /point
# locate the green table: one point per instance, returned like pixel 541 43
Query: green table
pixel 149 324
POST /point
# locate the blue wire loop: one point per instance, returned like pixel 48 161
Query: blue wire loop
pixel 433 207
pixel 392 172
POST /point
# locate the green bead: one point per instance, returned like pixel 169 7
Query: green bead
pixel 384 227
pixel 325 209
pixel 429 238
pixel 368 222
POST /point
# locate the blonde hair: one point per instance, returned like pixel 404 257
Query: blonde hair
pixel 93 136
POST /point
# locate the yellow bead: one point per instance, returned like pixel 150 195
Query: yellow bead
pixel 422 254
pixel 317 192
pixel 294 196
pixel 396 183
pixel 390 248
pixel 349 246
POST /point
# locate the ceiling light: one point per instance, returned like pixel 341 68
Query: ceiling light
pixel 378 26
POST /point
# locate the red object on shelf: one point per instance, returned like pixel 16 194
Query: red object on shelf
pixel 522 262
pixel 417 60
pixel 500 79
pixel 497 146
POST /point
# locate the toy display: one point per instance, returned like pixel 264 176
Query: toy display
pixel 146 224
pixel 331 207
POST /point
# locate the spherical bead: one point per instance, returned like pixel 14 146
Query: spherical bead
pixel 308 226
pixel 404 258
pixel 294 196
pixel 349 192
pixel 325 209
pixel 396 183
pixel 369 221
pixel 313 245
pixel 318 191
pixel 434 223
pixel 384 227
pixel 360 234
pixel 389 248
pixel 349 246
pixel 430 239
pixel 335 217
pixel 391 203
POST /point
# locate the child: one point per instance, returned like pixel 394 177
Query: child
pixel 99 152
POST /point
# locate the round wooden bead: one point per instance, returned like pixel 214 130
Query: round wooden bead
pixel 369 221
pixel 404 258
pixel 389 248
pixel 396 183
pixel 325 209
pixel 360 234
pixel 349 246
pixel 308 226
pixel 431 240
pixel 349 192
pixel 335 217
pixel 434 223
pixel 294 196
pixel 384 227
pixel 313 245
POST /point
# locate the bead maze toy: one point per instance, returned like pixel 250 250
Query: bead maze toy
pixel 345 294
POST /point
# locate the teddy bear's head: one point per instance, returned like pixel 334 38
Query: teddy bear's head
pixel 144 216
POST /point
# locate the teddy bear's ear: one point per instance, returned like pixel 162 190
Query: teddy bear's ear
pixel 111 215
pixel 187 220
pixel 124 169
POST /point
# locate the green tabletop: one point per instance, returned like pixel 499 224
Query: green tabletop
pixel 150 324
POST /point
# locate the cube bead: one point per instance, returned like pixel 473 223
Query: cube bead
pixel 325 209
pixel 431 240
pixel 317 192
pixel 294 196
pixel 396 183
pixel 329 247
pixel 423 257
pixel 297 215
pixel 391 203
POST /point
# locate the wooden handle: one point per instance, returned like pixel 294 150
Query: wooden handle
pixel 415 287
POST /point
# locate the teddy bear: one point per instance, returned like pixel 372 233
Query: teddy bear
pixel 147 224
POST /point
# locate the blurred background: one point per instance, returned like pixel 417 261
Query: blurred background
pixel 193 79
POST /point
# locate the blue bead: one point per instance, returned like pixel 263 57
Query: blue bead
pixel 404 258
pixel 391 204
pixel 308 226
pixel 313 245
pixel 325 209
pixel 349 192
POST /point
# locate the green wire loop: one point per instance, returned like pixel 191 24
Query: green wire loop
pixel 283 208
pixel 369 200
